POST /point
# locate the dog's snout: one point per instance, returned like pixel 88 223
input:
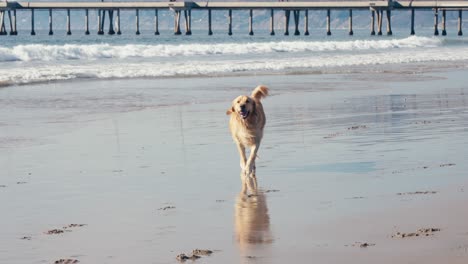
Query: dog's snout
pixel 242 106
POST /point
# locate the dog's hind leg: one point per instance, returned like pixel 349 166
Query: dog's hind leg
pixel 241 149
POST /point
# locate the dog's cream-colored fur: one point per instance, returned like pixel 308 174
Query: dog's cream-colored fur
pixel 246 125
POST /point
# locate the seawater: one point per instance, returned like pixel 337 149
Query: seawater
pixel 30 59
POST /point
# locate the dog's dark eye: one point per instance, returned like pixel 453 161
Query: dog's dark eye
pixel 248 101
pixel 238 101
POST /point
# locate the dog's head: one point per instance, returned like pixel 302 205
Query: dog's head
pixel 243 106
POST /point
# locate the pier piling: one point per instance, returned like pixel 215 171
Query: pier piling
pixel 100 31
pixel 287 14
pixel 11 22
pixel 389 22
pixel 328 22
pixel 177 23
pixel 2 23
pixel 156 22
pixel 272 22
pixel 460 33
pixel 15 32
pixel 111 23
pixel 444 31
pixel 296 23
pixel 372 24
pixel 210 32
pixel 51 32
pixel 68 22
pixel 306 23
pixel 119 32
pixel 436 22
pixel 412 21
pixel 379 22
pixel 188 22
pixel 230 22
pixel 251 22
pixel 137 21
pixel 86 22
pixel 33 33
pixel 350 22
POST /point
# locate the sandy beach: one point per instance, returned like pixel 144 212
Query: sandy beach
pixel 353 168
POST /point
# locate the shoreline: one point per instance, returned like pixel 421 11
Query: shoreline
pixel 338 148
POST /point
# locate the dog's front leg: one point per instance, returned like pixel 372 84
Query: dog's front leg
pixel 250 166
pixel 241 149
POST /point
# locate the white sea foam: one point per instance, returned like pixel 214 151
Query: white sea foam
pixel 31 72
pixel 41 52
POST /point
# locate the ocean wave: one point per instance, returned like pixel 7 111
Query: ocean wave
pixel 41 52
pixel 99 70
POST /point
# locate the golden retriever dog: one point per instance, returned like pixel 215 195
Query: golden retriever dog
pixel 246 125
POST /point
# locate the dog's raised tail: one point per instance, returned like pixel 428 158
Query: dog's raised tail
pixel 260 92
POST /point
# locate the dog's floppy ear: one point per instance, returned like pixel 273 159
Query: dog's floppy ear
pixel 230 111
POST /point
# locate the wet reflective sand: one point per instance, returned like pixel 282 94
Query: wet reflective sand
pixel 151 170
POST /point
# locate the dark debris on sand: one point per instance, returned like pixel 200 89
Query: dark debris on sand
pixel 63 229
pixel 361 244
pixel 66 261
pixel 417 192
pixel 182 257
pixel 196 254
pixel 269 191
pixel 3 186
pixel 203 252
pixel 421 232
pixel 167 208
pixel 26 238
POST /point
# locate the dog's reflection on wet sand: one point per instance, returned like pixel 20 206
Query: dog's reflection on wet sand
pixel 252 222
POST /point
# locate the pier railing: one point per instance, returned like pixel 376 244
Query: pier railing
pixel 8 13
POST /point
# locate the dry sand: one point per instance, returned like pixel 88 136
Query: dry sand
pixel 141 171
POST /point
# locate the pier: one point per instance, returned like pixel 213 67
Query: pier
pixel 10 10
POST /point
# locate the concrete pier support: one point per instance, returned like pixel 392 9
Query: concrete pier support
pixel 51 31
pixel 100 31
pixel 306 22
pixel 372 29
pixel 296 23
pixel 230 22
pixel 188 22
pixel 68 22
pixel 287 14
pixel 119 32
pixel 460 32
pixel 32 23
pixel 2 23
pixel 444 31
pixel 412 21
pixel 436 22
pixel 350 22
pixel 15 31
pixel 379 22
pixel 11 22
pixel 210 32
pixel 156 22
pixel 272 22
pixel 328 22
pixel 389 22
pixel 177 23
pixel 251 22
pixel 86 22
pixel 111 23
pixel 137 21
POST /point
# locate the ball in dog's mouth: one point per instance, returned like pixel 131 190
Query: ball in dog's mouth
pixel 244 114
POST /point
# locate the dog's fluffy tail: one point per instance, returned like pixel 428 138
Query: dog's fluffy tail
pixel 260 92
